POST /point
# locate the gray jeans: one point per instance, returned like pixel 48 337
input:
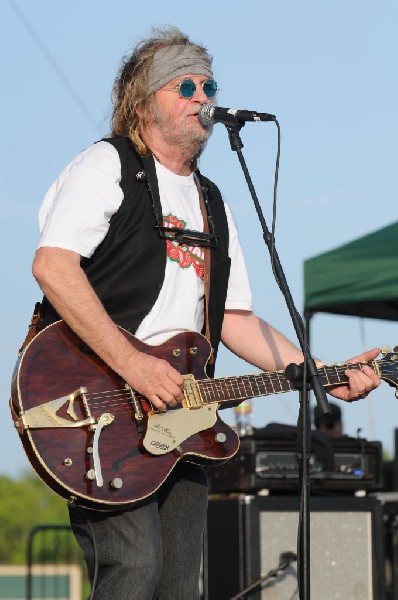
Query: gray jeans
pixel 153 550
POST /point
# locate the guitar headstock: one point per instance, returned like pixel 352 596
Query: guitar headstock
pixel 388 366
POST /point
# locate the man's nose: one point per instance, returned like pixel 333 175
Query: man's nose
pixel 199 95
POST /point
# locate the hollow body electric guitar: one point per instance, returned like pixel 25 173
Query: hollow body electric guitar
pixel 97 442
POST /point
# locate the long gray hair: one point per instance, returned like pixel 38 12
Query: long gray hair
pixel 130 90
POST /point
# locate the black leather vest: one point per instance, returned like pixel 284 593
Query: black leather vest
pixel 127 269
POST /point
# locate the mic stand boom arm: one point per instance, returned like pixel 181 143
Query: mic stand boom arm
pixel 302 378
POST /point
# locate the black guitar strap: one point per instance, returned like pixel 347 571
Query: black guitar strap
pixel 34 327
pixel 207 264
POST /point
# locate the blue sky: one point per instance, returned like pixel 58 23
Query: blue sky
pixel 328 70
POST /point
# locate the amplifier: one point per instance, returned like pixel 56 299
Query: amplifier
pixel 247 535
pixel 341 465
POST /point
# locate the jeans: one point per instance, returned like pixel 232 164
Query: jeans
pixel 153 550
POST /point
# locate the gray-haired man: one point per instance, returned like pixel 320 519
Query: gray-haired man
pixel 105 259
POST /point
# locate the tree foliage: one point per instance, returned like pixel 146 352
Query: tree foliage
pixel 25 503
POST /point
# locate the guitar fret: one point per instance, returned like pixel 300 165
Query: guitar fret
pixel 333 374
pixel 249 386
pixel 230 387
pixel 246 386
pixel 205 394
pixel 275 382
pixel 218 390
pixel 267 385
pixel 326 371
pixel 247 390
pixel 258 386
pixel 257 381
pixel 271 384
pixel 336 374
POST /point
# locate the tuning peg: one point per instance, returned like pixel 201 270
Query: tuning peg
pixel 386 349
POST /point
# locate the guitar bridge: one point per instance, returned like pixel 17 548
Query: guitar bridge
pixel 192 397
pixel 138 413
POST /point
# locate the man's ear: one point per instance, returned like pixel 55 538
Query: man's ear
pixel 138 110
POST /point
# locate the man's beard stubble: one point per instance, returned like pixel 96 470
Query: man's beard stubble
pixel 188 140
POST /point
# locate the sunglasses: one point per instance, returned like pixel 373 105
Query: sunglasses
pixel 186 88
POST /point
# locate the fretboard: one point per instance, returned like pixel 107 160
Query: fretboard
pixel 227 389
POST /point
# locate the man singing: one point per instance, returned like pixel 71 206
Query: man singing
pixel 119 251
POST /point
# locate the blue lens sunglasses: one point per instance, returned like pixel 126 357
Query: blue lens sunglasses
pixel 186 88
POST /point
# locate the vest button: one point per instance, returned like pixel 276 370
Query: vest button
pixel 158 284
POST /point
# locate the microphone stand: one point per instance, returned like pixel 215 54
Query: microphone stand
pixel 303 377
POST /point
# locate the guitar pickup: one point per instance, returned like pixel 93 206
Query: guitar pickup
pixel 192 397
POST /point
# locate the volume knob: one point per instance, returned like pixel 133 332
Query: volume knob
pixel 116 483
pixel 90 475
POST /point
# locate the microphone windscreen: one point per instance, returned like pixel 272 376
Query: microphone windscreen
pixel 205 114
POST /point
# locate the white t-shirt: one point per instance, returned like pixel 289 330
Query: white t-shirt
pixel 75 216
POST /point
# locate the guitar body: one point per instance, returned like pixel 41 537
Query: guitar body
pixel 53 366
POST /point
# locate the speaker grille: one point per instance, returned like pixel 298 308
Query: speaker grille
pixel 341 554
pixel 246 536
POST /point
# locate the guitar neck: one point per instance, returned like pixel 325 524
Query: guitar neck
pixel 243 387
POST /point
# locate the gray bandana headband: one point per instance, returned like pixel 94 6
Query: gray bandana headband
pixel 173 61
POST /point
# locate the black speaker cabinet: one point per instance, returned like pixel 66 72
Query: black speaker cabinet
pixel 246 536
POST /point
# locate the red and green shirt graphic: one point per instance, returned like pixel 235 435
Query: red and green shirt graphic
pixel 186 256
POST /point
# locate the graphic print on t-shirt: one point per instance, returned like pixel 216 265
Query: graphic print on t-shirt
pixel 186 256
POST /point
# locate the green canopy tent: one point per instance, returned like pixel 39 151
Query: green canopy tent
pixel 359 278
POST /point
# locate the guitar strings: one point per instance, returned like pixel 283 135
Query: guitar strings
pixel 229 388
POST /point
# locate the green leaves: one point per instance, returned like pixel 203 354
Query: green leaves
pixel 24 503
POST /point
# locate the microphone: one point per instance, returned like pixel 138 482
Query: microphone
pixel 285 559
pixel 210 114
